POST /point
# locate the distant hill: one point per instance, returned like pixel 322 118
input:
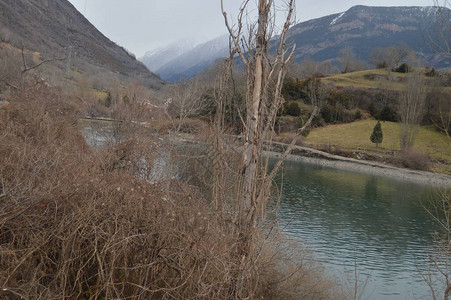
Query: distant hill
pixel 50 27
pixel 190 62
pixel 157 58
pixel 362 28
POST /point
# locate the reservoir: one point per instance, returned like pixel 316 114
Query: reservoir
pixel 351 221
pixel 355 221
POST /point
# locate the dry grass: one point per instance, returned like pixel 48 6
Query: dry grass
pixel 360 79
pixel 377 78
pixel 357 135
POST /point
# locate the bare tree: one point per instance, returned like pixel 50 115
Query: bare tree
pixel 439 38
pixel 443 117
pixel 13 70
pixel 10 72
pixel 265 74
pixel 316 91
pixel 390 57
pixel 439 34
pixel 262 101
pixel 309 68
pixel 411 108
pixel 440 211
pixel 439 107
pixel 349 61
pixel 26 68
pixel 187 99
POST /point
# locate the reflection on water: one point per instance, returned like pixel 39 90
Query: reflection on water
pixel 347 217
pixel 97 133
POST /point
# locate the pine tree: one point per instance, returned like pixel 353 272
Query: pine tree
pixel 108 100
pixel 377 136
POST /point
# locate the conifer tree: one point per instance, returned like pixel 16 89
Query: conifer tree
pixel 377 136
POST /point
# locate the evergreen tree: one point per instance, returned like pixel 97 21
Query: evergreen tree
pixel 388 114
pixel 293 109
pixel 108 100
pixel 374 112
pixel 376 136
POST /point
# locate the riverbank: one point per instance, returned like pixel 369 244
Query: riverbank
pixel 368 167
pixel 319 157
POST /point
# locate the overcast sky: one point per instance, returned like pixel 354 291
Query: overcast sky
pixel 143 25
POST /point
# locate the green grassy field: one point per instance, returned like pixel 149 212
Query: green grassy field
pixel 377 78
pixel 357 135
pixel 360 80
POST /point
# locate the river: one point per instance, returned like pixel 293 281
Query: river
pixel 353 219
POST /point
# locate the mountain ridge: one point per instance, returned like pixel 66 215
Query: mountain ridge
pixel 157 58
pixel 193 61
pixel 51 27
pixel 361 28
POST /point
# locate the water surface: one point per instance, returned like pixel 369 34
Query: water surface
pixel 349 218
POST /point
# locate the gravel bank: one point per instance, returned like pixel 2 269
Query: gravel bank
pixel 368 167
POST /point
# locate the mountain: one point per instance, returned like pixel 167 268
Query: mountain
pixel 52 27
pixel 363 29
pixel 192 62
pixel 157 58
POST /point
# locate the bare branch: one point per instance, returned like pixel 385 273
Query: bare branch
pixel 42 62
pixel 26 68
pixel 235 37
pixel 11 85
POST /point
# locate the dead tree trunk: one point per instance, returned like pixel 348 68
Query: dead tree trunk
pixel 265 74
pixel 257 82
pixel 411 107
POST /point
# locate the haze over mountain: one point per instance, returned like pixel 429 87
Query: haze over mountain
pixel 157 58
pixel 51 27
pixel 361 28
pixel 180 64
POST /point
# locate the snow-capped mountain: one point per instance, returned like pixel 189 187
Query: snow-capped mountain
pixel 185 64
pixel 361 28
pixel 365 28
pixel 157 58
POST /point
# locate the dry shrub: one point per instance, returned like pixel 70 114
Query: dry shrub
pixel 194 166
pixel 133 111
pixel 413 160
pixel 289 139
pixel 96 109
pixel 287 124
pixel 10 62
pixel 78 223
pixel 161 126
pixel 192 126
pixel 288 271
pixel 86 223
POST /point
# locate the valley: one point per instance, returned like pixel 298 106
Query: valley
pixel 283 160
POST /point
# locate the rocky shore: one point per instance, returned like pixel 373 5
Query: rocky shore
pixel 368 167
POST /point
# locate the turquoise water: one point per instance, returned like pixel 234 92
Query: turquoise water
pixel 349 219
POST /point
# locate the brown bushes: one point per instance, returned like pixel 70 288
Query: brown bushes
pixel 77 222
pixel 299 140
pixel 412 160
pixel 86 223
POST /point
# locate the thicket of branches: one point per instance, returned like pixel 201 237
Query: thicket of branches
pixel 78 222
